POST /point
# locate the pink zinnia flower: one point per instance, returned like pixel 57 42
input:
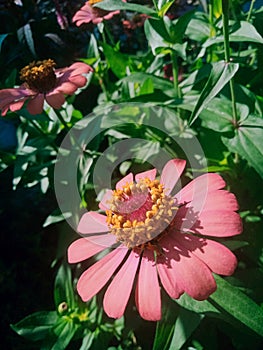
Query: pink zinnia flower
pixel 89 13
pixel 157 236
pixel 43 82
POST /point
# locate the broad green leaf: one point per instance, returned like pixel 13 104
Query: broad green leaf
pixel 202 307
pixel 220 75
pixel 118 62
pixel 178 27
pixel 238 305
pixel 247 142
pixel 165 327
pixel 63 291
pixel 36 326
pixel 25 33
pixel 112 5
pixel 199 28
pixel 187 321
pixel 217 115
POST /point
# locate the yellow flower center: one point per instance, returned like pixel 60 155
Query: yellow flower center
pixel 93 2
pixel 39 76
pixel 140 213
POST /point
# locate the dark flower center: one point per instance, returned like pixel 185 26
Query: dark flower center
pixel 39 76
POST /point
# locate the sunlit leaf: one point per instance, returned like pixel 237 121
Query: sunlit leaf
pixel 112 5
pixel 247 141
pixel 220 75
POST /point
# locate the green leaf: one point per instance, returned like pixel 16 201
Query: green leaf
pixel 112 5
pixel 199 28
pixel 2 38
pixel 247 142
pixel 238 305
pixel 187 321
pixel 163 6
pixel 220 75
pixel 63 291
pixel 117 61
pixel 165 327
pixel 203 307
pixel 65 331
pixel 36 326
pixel 179 26
pixel 25 33
pixel 56 216
pixel 87 340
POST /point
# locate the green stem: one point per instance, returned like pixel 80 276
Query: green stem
pixel 225 15
pixel 175 74
pixel 250 10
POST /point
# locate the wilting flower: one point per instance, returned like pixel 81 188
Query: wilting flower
pixel 89 13
pixel 43 82
pixel 157 236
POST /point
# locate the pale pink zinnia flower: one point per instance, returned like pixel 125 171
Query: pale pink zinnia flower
pixel 157 236
pixel 89 13
pixel 43 82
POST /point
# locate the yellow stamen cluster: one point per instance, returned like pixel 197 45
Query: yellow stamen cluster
pixel 155 213
pixel 93 2
pixel 39 76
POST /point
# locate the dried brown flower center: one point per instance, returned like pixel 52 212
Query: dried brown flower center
pixel 39 76
pixel 140 213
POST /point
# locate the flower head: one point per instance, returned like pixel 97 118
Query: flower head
pixel 43 82
pixel 157 236
pixel 88 13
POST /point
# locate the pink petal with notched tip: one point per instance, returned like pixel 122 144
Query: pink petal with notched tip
pixel 35 106
pixel 171 174
pixel 219 200
pixel 17 105
pixel 148 297
pixel 92 222
pixel 150 174
pixel 95 277
pixel 216 256
pixel 118 293
pixel 104 203
pixel 192 275
pixel 55 100
pixel 80 68
pixel 126 179
pixel 82 249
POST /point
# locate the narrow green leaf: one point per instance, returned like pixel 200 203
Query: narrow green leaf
pixel 238 305
pixel 63 291
pixel 164 6
pixel 117 61
pixel 67 331
pixel 112 5
pixel 187 321
pixel 179 26
pixel 165 326
pixel 203 307
pixel 55 217
pixel 220 75
pixel 36 326
pixel 87 340
pixel 247 142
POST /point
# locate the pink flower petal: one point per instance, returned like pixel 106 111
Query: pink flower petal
pixel 55 100
pixel 95 278
pixel 220 200
pixel 198 188
pixel 78 80
pixel 67 88
pixel 104 203
pixel 168 277
pixel 193 276
pixel 93 222
pixel 127 179
pixel 171 173
pixel 83 249
pixel 150 174
pixel 216 256
pixel 35 106
pixel 118 292
pixel 148 297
